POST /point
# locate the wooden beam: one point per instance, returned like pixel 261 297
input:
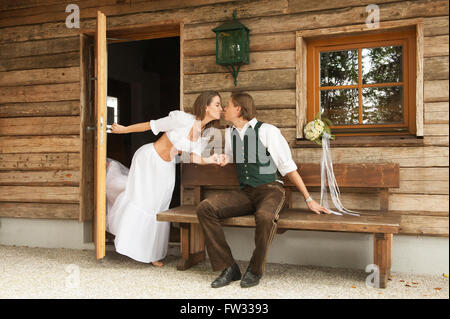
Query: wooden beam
pixel 57 60
pixel 40 76
pixel 251 80
pixel 39 194
pixel 39 47
pixel 39 210
pixel 40 161
pixel 258 43
pixel 267 60
pixel 58 108
pixel 40 144
pixel 40 178
pixel 40 93
pixel 58 125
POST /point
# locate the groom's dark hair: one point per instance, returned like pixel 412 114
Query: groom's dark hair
pixel 245 101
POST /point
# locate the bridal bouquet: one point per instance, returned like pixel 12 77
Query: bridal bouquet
pixel 318 131
pixel 314 130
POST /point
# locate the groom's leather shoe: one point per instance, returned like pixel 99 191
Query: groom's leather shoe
pixel 249 279
pixel 230 274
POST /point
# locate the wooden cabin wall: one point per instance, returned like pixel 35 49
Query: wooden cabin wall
pixel 40 88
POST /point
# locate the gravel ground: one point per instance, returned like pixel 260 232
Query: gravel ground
pixel 52 273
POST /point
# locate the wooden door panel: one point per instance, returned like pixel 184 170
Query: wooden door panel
pixel 100 143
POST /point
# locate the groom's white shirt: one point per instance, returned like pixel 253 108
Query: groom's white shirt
pixel 271 137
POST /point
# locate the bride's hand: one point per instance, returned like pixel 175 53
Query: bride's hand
pixel 214 159
pixel 118 129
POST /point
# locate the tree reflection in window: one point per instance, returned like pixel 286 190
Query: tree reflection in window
pixel 372 95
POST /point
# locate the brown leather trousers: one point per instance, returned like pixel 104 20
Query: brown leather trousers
pixel 264 201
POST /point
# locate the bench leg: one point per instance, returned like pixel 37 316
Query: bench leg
pixel 382 256
pixel 192 246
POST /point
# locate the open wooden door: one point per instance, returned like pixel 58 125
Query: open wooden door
pixel 100 143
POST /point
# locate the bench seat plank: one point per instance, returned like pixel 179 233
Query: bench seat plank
pixel 298 219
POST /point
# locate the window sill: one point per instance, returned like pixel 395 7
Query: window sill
pixel 365 141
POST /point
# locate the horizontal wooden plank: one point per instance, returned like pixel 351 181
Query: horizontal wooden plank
pixel 145 15
pixel 39 144
pixel 421 202
pixel 436 91
pixel 435 26
pixel 424 174
pixel 404 156
pixel 296 6
pixel 40 93
pixel 422 187
pixel 258 61
pixel 423 180
pixel 281 118
pixel 435 46
pixel 354 175
pixel 424 225
pixel 325 19
pixel 251 80
pixel 44 31
pixel 39 47
pixel 40 76
pixel 17 4
pixel 40 178
pixel 39 194
pixel 40 161
pixel 139 11
pixel 436 113
pixel 435 68
pixel 58 125
pixel 41 61
pixel 435 129
pixel 63 108
pixel 40 210
pixel 436 141
pixel 297 219
pixel 263 99
pixel 258 43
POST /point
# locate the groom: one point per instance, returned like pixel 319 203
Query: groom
pixel 259 152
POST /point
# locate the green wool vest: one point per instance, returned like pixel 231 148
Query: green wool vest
pixel 254 165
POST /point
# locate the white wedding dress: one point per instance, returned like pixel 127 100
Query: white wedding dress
pixel 134 196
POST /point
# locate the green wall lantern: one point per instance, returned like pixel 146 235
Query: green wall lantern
pixel 232 45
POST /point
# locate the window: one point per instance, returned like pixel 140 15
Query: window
pixel 365 84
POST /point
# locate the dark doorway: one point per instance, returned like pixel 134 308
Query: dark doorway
pixel 144 76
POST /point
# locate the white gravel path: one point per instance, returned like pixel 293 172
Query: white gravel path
pixel 44 273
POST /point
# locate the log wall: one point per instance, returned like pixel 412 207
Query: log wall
pixel 40 92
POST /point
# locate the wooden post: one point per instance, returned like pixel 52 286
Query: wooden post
pixel 384 200
pixel 192 240
pixel 382 250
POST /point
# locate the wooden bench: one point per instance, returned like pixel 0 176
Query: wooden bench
pixel 371 178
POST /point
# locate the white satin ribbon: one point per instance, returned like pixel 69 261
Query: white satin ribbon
pixel 326 167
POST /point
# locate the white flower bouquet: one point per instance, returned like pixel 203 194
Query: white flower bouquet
pixel 318 131
pixel 315 129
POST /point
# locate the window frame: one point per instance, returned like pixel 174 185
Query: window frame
pixel 409 32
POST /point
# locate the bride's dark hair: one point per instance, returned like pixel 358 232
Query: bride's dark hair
pixel 200 104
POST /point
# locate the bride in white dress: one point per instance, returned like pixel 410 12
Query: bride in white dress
pixel 135 196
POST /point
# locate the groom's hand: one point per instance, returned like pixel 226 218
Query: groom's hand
pixel 317 208
pixel 223 160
